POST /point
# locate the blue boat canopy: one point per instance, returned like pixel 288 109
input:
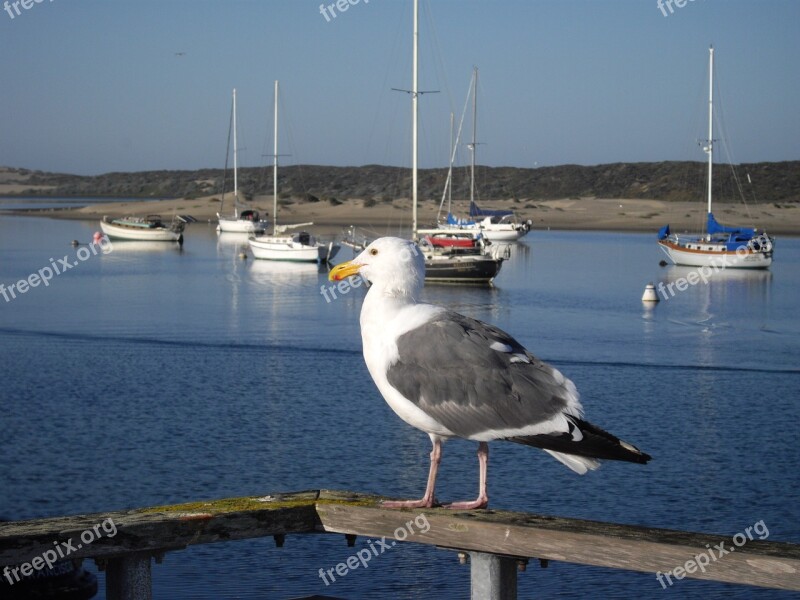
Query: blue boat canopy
pixel 452 220
pixel 474 211
pixel 663 232
pixel 714 227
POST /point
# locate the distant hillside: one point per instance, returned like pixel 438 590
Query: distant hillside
pixel 671 181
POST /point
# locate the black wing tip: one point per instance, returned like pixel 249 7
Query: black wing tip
pixel 624 450
pixel 596 443
pixel 638 456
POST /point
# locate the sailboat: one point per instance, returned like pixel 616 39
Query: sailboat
pixel 299 247
pixel 448 264
pixel 247 221
pixel 151 228
pixel 495 225
pixel 721 246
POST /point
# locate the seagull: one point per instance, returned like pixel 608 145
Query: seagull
pixel 456 377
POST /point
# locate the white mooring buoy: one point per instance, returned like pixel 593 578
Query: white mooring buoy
pixel 650 294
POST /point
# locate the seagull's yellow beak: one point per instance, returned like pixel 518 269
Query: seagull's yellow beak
pixel 343 271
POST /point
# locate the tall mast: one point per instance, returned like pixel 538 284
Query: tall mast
pixel 275 166
pixel 235 165
pixel 710 146
pixel 450 170
pixel 474 133
pixel 414 124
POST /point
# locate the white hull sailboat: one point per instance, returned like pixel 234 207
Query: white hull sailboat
pixel 443 264
pixel 720 247
pixel 290 247
pixel 495 225
pixel 451 256
pixel 298 247
pixel 717 254
pixel 502 232
pixel 150 228
pixel 247 221
pixel 499 225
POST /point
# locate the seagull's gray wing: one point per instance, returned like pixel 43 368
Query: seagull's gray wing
pixel 475 379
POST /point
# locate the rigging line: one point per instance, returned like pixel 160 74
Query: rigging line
pixel 241 150
pixel 434 49
pixel 227 155
pixel 722 122
pixel 266 150
pixel 449 181
pixel 393 68
pixel 288 128
pixel 484 175
pixel 696 171
pixel 438 55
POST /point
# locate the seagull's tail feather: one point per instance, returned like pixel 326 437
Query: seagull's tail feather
pixel 579 464
pixel 584 443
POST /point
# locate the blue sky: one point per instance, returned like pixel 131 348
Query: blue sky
pixel 91 86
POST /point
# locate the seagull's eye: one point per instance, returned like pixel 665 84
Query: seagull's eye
pixel 374 252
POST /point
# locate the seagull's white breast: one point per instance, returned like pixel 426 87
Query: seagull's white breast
pixel 381 324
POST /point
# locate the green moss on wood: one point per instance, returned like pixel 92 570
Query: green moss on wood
pixel 255 503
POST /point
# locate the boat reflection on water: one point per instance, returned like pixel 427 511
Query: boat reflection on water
pixel 230 241
pixel 516 250
pixel 285 273
pixel 139 247
pixel 737 285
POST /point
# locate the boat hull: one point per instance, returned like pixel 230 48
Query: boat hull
pixel 241 226
pixel 493 233
pixel 286 249
pixel 503 235
pixel 462 269
pixel 156 234
pixel 715 256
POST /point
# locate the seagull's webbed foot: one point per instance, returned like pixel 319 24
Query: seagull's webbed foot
pixel 421 503
pixel 479 502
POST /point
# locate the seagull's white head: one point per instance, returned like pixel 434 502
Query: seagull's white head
pixel 393 265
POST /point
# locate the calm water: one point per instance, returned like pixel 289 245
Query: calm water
pixel 150 375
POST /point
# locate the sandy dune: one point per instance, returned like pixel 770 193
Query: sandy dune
pixel 584 213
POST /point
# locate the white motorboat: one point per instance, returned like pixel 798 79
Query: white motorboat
pixel 150 228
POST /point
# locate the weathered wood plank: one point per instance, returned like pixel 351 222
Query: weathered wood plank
pixel 759 563
pixel 160 528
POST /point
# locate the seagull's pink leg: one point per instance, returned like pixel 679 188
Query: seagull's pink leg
pixel 482 501
pixel 428 499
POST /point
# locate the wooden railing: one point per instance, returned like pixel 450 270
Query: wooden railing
pixel 496 541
